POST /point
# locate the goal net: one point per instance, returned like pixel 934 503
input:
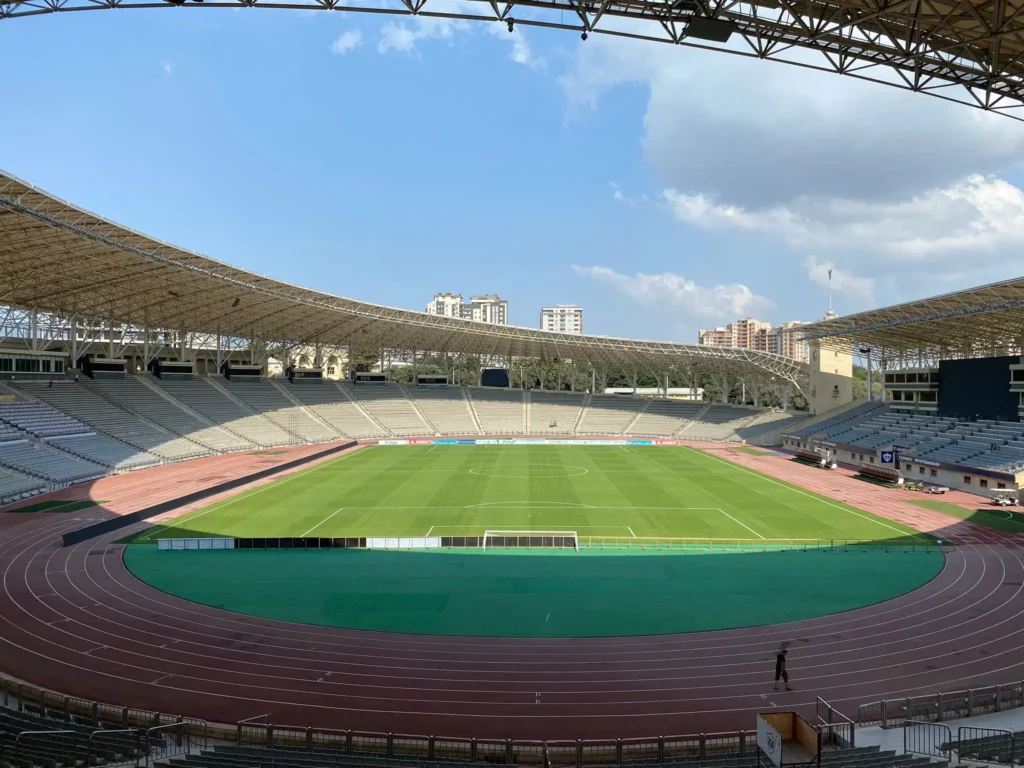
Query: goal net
pixel 493 539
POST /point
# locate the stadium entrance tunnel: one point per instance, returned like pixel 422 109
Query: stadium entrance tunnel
pixel 537 593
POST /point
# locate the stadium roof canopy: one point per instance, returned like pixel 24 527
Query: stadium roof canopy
pixel 62 261
pixel 978 322
pixel 970 51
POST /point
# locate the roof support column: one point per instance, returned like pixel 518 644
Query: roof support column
pixel 74 342
pixel 110 339
pixel 664 391
pixel 33 330
pixel 593 380
pixel 725 389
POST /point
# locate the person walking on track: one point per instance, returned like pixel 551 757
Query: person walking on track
pixel 780 670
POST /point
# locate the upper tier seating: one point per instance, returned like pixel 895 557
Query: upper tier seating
pixel 828 428
pixel 663 418
pixel 205 399
pixel 389 406
pixel 554 412
pixel 331 405
pixel 9 432
pixel 104 450
pixel 136 396
pixel 265 398
pixel 38 419
pixel 500 411
pixel 47 463
pixel 447 409
pixel 770 425
pixel 720 422
pixel 990 445
pixel 87 406
pixel 608 414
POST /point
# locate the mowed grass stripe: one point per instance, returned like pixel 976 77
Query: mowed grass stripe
pixel 653 492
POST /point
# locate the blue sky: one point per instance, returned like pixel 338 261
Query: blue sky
pixel 386 159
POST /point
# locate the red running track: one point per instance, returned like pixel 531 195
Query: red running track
pixel 74 620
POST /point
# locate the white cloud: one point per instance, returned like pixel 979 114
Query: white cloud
pixel 405 35
pixel 168 68
pixel 757 133
pixel 980 215
pixel 347 41
pixel 843 281
pixel 674 292
pixel 521 52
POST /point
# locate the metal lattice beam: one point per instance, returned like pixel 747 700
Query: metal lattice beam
pixel 978 322
pixel 60 260
pixel 969 51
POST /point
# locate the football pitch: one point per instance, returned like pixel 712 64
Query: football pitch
pixel 618 492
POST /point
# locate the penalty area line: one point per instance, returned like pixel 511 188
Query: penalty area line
pixel 188 517
pixel 796 489
pixel 322 522
pixel 741 523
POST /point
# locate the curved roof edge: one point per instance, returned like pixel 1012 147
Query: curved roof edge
pixel 60 259
pixel 975 322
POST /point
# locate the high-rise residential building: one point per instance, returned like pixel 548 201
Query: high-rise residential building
pixel 446 305
pixel 788 342
pixel 565 318
pixel 485 309
pixel 753 334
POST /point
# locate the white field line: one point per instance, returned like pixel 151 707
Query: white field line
pixel 545 505
pixel 245 495
pixel 531 530
pixel 428 532
pixel 743 524
pixel 322 522
pixel 630 531
pixel 805 493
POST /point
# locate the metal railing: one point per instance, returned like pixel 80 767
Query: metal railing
pixel 640 543
pixel 836 730
pixel 990 745
pixel 927 738
pixel 940 707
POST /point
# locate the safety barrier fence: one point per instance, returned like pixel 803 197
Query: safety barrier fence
pixel 989 745
pixel 926 738
pixel 940 707
pixel 524 541
pixel 256 732
pixel 102 731
pixel 837 731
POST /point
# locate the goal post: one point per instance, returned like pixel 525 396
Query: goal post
pixel 503 538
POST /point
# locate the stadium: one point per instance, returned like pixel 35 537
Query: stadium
pixel 233 535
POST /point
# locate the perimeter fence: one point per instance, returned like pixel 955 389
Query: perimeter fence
pixel 942 707
pixel 91 730
pixel 540 541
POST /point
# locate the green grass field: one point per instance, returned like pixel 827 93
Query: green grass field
pixel 613 491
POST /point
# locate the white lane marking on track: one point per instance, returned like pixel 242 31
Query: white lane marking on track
pixel 322 521
pixel 246 495
pixel 743 524
pixel 161 679
pixel 104 564
pixel 802 492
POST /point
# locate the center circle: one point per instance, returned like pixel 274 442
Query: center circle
pixel 527 470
